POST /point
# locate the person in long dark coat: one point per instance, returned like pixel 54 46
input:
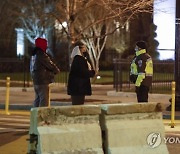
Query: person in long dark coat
pixel 79 77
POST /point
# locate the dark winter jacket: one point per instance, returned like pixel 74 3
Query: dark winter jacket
pixel 79 77
pixel 43 68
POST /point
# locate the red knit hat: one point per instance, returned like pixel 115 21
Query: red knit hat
pixel 41 43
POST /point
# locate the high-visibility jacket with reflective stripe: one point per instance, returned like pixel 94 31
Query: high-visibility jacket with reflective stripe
pixel 141 69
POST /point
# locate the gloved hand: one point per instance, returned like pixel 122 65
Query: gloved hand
pixel 133 78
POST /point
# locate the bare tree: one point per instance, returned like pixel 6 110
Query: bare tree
pixel 33 16
pixel 88 20
pixel 94 36
pixel 92 20
pixel 7 28
pixel 71 12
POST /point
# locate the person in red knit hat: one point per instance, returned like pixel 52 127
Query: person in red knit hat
pixel 43 70
pixel 41 43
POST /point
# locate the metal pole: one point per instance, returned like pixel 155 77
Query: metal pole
pixel 120 75
pixel 177 56
pixel 49 101
pixel 114 73
pixel 24 74
pixel 7 95
pixel 172 124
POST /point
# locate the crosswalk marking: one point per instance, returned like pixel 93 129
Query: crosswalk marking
pixel 14 123
pixel 5 130
pixel 16 116
pixel 19 120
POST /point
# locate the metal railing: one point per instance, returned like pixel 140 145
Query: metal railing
pixel 162 77
pixel 18 70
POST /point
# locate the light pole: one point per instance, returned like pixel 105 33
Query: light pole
pixel 177 58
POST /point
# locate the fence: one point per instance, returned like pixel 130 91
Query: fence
pixel 162 77
pixel 18 70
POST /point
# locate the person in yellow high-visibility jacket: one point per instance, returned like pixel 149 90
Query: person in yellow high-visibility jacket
pixel 141 71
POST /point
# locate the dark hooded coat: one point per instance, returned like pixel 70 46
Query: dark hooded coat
pixel 42 68
pixel 79 77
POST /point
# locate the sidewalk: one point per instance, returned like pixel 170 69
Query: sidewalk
pixel 19 146
pixel 101 94
pixel 22 100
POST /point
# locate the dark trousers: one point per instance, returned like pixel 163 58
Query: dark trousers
pixel 142 93
pixel 78 100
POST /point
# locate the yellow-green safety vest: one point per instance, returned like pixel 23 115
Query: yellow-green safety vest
pixel 142 68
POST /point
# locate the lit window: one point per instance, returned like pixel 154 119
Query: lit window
pixel 164 19
pixel 20 41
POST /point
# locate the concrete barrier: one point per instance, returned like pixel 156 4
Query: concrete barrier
pixel 65 130
pixel 92 129
pixel 133 129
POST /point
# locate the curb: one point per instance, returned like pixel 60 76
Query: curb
pixel 167 116
pixel 54 103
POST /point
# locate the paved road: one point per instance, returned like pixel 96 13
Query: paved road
pixel 172 137
pixel 14 133
pixel 14 123
pixel 14 128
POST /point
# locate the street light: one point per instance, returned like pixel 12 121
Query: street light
pixel 177 58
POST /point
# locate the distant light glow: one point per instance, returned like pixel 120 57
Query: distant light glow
pixel 64 24
pixel 164 19
pixel 20 41
pixel 98 77
pixel 59 26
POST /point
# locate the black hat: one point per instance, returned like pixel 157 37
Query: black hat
pixel 141 44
